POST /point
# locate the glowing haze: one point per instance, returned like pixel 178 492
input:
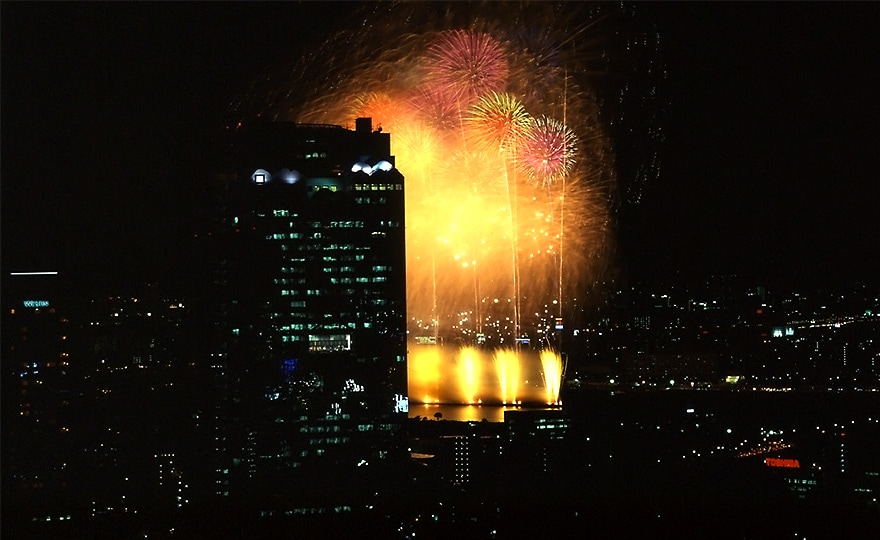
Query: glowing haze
pixel 507 169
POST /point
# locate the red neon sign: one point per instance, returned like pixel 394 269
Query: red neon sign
pixel 782 462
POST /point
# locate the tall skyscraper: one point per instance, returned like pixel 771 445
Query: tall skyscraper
pixel 309 296
pixel 39 427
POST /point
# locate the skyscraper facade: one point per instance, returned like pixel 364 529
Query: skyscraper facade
pixel 37 392
pixel 308 353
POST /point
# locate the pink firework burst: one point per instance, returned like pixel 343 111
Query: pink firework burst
pixel 548 150
pixel 467 64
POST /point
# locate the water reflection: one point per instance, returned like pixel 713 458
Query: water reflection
pixel 463 413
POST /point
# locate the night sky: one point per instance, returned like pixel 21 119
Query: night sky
pixel 770 165
pixel 771 159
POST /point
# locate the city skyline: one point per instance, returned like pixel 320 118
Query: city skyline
pixel 766 166
pixel 423 269
pixel 680 407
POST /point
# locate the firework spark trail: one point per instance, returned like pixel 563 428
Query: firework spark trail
pixel 498 123
pixel 548 155
pixel 495 124
pixel 552 373
pixel 508 368
pixel 471 375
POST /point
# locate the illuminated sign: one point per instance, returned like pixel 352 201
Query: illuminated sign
pixel 783 331
pixel 36 303
pixel 782 462
pixel 426 340
pixel 401 403
pixel 559 323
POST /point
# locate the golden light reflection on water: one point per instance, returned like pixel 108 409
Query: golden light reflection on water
pixel 460 413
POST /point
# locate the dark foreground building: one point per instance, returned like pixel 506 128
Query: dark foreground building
pixel 308 319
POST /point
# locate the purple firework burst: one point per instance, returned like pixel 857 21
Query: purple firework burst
pixel 436 107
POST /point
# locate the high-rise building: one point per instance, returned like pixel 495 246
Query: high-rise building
pixel 309 298
pixel 39 428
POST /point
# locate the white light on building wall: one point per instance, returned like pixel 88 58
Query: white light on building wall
pixel 288 176
pixel 383 166
pixel 361 167
pixel 370 169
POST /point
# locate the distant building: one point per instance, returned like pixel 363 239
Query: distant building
pixel 37 393
pixel 473 457
pixel 671 369
pixel 536 444
pixel 309 310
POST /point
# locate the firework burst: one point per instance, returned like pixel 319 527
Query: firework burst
pixel 496 122
pixel 467 65
pixel 471 94
pixel 437 108
pixel 548 150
